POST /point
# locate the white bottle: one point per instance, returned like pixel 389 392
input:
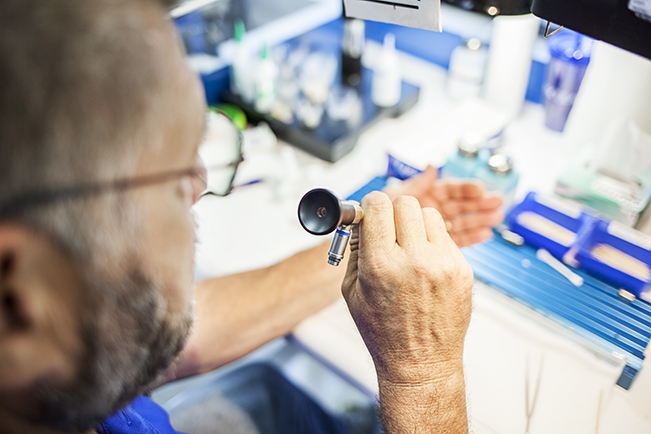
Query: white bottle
pixel 466 71
pixel 509 62
pixel 387 80
pixel 265 82
pixel 242 82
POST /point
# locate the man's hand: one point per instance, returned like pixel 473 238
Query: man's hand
pixel 408 288
pixel 470 211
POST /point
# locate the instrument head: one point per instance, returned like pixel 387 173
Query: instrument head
pixel 320 211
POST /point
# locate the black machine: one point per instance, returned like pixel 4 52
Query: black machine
pixel 494 7
pixel 624 23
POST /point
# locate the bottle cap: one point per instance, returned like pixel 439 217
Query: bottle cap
pixel 500 164
pixel 389 42
pixel 239 30
pixel 353 40
pixel 571 47
pixel 470 144
pixel 473 44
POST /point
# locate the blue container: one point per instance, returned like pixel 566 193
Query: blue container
pixel 460 166
pixel 401 170
pixel 464 162
pixel 498 173
pixel 570 56
pixel 639 247
pixel 575 219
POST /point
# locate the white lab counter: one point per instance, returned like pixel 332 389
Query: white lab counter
pixel 257 226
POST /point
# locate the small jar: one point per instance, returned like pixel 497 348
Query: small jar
pixel 464 162
pixel 499 174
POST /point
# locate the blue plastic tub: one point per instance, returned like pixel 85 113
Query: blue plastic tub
pixel 626 240
pixel 574 218
pixel 401 170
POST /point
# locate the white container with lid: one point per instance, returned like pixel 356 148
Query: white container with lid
pixel 386 87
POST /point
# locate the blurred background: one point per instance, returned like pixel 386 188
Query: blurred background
pixel 560 125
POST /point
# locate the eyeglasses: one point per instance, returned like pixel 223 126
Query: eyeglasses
pixel 220 154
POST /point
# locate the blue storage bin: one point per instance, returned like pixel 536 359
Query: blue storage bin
pixel 401 170
pixel 624 239
pixel 573 218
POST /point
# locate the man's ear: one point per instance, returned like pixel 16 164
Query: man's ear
pixel 14 248
pixel 37 302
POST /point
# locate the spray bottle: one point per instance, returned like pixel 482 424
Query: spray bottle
pixel 265 82
pixel 241 80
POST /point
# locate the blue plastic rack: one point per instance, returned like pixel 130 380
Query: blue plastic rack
pixel 594 312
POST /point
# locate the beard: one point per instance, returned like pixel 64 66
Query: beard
pixel 130 340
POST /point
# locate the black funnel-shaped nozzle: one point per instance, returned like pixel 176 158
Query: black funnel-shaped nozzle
pixel 319 211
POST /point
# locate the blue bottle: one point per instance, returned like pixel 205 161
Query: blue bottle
pixel 499 174
pixel 464 162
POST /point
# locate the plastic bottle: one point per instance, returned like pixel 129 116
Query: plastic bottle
pixel 499 174
pixel 466 160
pixel 241 79
pixel 509 62
pixel 570 58
pixel 265 83
pixel 386 88
pixel 351 51
pixel 466 72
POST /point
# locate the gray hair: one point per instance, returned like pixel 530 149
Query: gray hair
pixel 80 99
pixel 79 84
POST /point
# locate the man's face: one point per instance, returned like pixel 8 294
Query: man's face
pixel 136 314
pixel 168 232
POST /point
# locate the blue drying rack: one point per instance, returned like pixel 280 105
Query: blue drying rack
pixel 594 312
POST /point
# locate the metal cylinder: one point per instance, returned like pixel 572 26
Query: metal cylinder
pixel 351 213
pixel 339 244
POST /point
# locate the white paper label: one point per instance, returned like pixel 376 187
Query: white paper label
pixel 623 194
pixel 642 7
pixel 630 235
pixel 569 208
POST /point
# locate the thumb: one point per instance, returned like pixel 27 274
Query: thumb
pixel 415 186
pixel 350 280
pixel 420 185
pixel 429 176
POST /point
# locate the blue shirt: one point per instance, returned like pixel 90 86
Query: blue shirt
pixel 142 416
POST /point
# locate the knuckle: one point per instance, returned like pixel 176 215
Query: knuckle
pixel 406 201
pixel 376 200
pixel 377 267
pixel 449 275
pixel 433 216
pixel 458 272
pixel 466 272
pixel 347 285
pixel 466 280
pixel 421 267
pixel 433 213
pixel 375 273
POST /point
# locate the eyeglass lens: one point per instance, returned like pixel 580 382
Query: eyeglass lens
pixel 219 153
